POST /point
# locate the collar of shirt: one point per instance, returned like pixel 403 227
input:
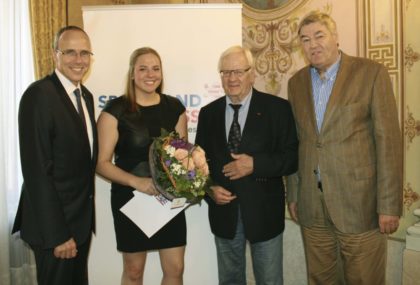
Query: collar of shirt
pixel 321 90
pixel 69 87
pixel 331 72
pixel 67 84
pixel 243 112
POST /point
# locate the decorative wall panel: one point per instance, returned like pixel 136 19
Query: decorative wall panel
pixel 411 101
pixel 383 22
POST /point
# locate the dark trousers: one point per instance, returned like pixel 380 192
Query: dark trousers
pixel 56 271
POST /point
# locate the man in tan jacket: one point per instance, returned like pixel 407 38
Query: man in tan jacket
pixel 347 193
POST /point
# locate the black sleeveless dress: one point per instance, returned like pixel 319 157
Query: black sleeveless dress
pixel 136 131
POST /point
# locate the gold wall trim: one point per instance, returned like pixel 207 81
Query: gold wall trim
pixel 410 197
pixel 411 127
pixel 410 57
pixel 272 44
pixel 384 54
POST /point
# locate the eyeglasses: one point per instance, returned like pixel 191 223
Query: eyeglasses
pixel 236 72
pixel 72 54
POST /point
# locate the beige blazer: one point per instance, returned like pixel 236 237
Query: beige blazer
pixel 358 149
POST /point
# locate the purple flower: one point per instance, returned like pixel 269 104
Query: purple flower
pixel 168 162
pixel 179 143
pixel 191 175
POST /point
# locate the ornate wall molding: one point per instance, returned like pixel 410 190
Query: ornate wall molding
pixel 410 45
pixel 384 54
pixel 382 35
pixel 410 57
pixel 411 128
pixel 410 197
pixel 271 36
pixel 382 23
pixel 272 44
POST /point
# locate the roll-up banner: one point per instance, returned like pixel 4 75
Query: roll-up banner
pixel 189 39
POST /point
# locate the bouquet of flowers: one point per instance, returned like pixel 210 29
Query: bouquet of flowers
pixel 179 169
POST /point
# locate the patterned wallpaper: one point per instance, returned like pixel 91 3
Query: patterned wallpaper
pixel 410 70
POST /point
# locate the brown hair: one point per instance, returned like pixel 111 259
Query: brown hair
pixel 130 93
pixel 65 29
pixel 318 17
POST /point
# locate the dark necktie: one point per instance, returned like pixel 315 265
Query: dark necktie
pixel 234 138
pixel 79 106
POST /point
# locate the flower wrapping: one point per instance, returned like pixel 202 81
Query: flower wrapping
pixel 179 169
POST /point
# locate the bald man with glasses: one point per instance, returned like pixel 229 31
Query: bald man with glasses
pixel 58 147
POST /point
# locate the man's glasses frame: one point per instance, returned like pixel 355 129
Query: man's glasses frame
pixel 71 53
pixel 236 72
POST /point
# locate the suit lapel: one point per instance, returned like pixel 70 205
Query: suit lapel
pixel 337 91
pixel 219 122
pixel 256 109
pixel 91 112
pixel 68 105
pixel 307 98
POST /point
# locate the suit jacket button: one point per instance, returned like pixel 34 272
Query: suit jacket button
pixel 90 196
pixel 318 145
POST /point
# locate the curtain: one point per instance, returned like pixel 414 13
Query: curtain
pixel 16 73
pixel 47 17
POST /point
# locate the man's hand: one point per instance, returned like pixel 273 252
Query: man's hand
pixel 242 165
pixel 388 224
pixel 292 206
pixel 220 195
pixel 66 250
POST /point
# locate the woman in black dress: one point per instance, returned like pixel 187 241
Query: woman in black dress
pixel 126 128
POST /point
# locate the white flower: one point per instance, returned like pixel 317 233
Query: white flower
pixel 176 168
pixel 170 150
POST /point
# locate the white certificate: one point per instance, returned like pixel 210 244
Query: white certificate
pixel 150 213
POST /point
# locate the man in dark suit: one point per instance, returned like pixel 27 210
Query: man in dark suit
pixel 347 193
pixel 58 146
pixel 250 146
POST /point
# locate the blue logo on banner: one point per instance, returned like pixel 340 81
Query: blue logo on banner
pixel 103 99
pixel 193 104
pixel 189 100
